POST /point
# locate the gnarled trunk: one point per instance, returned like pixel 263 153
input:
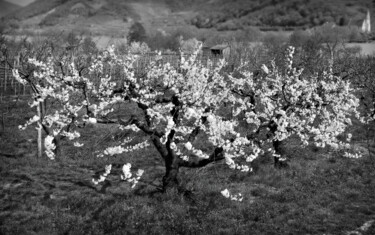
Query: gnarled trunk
pixel 170 179
pixel 278 146
pixel 172 164
pixel 279 159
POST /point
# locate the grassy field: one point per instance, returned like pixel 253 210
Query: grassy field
pixel 319 193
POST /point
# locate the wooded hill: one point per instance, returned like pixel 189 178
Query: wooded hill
pixel 7 7
pixel 231 15
pixel 220 15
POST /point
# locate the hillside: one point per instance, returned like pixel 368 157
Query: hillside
pixel 97 17
pixel 225 15
pixel 114 17
pixel 7 8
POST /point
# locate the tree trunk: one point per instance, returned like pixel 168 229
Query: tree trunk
pixel 279 160
pixel 170 179
pixel 56 141
pixel 278 146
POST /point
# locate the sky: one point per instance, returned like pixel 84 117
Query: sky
pixel 21 2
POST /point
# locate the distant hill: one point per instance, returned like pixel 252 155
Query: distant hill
pixel 93 16
pixel 7 8
pixel 232 15
pixel 114 17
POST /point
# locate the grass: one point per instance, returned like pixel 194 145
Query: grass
pixel 319 193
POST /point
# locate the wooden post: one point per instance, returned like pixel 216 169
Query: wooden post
pixel 137 66
pixel 5 78
pixel 39 131
pixel 12 80
pixel 2 122
pixel 44 104
pixel 15 87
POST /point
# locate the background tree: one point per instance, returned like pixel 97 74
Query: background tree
pixel 70 60
pixel 137 33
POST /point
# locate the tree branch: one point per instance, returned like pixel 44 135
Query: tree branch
pixel 217 155
pixel 160 147
pixel 146 129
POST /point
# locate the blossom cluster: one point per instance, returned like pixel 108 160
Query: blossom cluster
pixel 49 147
pixel 103 176
pixel 32 120
pixel 286 103
pixel 119 149
pixel 127 175
pixel 233 197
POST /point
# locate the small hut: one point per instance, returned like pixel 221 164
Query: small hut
pixel 221 50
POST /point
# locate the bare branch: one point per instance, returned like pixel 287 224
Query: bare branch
pixel 146 129
pixel 217 155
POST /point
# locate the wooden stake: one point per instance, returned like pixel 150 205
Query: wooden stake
pixel 5 78
pixel 15 87
pixel 11 80
pixel 39 131
pixel 3 122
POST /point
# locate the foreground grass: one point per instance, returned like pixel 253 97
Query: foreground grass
pixel 319 193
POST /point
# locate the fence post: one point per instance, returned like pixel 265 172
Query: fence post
pixel 15 87
pixel 2 122
pixel 12 80
pixel 137 67
pixel 39 131
pixel 1 83
pixel 16 83
pixel 5 77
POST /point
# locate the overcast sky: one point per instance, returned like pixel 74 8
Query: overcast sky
pixel 20 2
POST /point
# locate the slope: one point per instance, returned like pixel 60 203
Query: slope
pixel 7 8
pixel 237 14
pixel 114 17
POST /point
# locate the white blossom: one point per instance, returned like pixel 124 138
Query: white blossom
pixel 126 171
pixel 225 193
pixel 49 147
pixel 188 146
pixel 265 69
pixel 92 120
pixel 77 144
